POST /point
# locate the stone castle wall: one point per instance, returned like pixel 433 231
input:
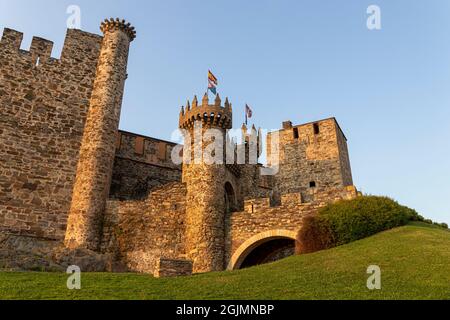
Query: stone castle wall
pixel 141 164
pixel 311 156
pixel 43 106
pixel 260 218
pixel 344 158
pixel 141 232
pixel 253 184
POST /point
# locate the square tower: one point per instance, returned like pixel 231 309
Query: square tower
pixel 312 157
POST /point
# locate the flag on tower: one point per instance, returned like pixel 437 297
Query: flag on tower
pixel 212 82
pixel 248 113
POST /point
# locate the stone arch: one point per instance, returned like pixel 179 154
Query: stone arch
pixel 248 246
pixel 230 198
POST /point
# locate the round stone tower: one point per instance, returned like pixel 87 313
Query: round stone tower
pixel 204 169
pixel 93 177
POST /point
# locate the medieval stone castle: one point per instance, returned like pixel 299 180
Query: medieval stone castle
pixel 69 177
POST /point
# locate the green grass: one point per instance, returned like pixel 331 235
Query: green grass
pixel 415 264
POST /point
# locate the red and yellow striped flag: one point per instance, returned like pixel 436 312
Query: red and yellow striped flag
pixel 212 82
pixel 212 78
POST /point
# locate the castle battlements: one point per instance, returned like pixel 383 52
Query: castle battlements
pixel 209 114
pixel 79 47
pixel 263 204
pixel 11 39
pixel 40 49
pixel 117 24
pixel 296 200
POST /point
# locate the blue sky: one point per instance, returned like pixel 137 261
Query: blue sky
pixel 296 60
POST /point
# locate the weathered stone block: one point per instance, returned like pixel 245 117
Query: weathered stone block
pixel 173 268
pixel 291 200
pixel 256 205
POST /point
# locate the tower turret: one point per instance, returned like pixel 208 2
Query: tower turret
pixel 205 211
pixel 97 150
pixel 213 116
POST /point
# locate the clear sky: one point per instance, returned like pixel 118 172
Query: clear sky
pixel 291 60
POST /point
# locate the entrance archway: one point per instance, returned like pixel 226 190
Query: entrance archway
pixel 263 248
pixel 230 198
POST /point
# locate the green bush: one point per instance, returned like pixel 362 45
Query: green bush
pixel 315 236
pixel 444 225
pixel 347 221
pixel 418 218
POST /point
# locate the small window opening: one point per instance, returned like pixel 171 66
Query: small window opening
pixel 316 129
pixel 38 61
pixel 296 135
pixel 312 184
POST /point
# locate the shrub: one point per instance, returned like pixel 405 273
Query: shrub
pixel 418 218
pixel 348 221
pixel 444 225
pixel 315 235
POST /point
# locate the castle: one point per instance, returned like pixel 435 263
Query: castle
pixel 68 176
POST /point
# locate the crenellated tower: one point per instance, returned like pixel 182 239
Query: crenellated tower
pixel 93 177
pixel 205 126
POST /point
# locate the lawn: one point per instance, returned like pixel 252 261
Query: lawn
pixel 414 260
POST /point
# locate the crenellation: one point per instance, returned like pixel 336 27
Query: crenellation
pixel 256 205
pixel 113 25
pixel 11 39
pixel 208 115
pixel 79 48
pixel 40 50
pixel 153 151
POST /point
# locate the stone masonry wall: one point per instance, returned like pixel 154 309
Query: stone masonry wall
pixel 43 107
pixel 259 216
pixel 344 158
pixel 140 232
pixel 141 164
pixel 311 156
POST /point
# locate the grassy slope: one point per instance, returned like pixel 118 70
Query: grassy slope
pixel 414 260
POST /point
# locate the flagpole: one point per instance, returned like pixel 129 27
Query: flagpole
pixel 246 116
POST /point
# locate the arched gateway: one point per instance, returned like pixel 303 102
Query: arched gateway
pixel 270 243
